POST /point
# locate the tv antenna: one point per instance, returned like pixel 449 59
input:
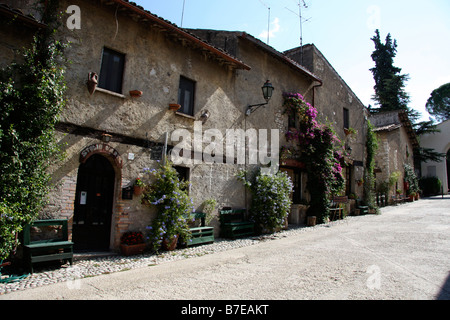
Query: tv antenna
pixel 301 4
pixel 268 22
pixel 182 14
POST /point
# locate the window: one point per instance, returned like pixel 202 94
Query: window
pixel 297 182
pixel 186 94
pixel 346 119
pixel 111 72
pixel 292 120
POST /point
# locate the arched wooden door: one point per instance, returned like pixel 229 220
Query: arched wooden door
pixel 93 204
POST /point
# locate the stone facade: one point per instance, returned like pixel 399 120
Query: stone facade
pixel 439 142
pixel 338 106
pixel 131 132
pixel 396 144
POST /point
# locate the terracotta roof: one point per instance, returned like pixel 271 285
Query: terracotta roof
pixel 17 14
pixel 280 56
pixel 177 33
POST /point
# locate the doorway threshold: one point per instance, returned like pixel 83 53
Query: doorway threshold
pixel 77 256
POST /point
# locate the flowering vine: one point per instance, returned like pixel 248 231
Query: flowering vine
pixel 169 195
pixel 319 153
pixel 271 200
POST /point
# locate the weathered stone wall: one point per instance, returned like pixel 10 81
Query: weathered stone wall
pixel 330 99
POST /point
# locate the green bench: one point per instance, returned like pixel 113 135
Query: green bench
pixel 201 234
pixel 42 250
pixel 363 209
pixel 233 224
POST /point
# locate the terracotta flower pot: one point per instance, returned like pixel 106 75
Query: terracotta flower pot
pixel 174 106
pixel 170 245
pixel 311 221
pixel 136 93
pixel 138 190
pixel 130 250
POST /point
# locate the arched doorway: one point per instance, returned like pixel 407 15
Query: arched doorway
pixel 94 204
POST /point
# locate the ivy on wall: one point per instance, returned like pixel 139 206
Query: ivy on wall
pixel 31 98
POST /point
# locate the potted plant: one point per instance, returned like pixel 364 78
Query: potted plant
pixel 174 106
pixel 132 242
pixel 139 186
pixel 412 196
pixel 170 198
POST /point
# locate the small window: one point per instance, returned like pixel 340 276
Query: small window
pixel 292 120
pixel 346 119
pixel 186 94
pixel 111 72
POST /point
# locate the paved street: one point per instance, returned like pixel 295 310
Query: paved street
pixel 404 253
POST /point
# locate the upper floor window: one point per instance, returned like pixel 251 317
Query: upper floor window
pixel 111 72
pixel 186 94
pixel 346 119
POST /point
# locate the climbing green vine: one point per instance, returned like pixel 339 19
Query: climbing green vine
pixel 369 175
pixel 31 98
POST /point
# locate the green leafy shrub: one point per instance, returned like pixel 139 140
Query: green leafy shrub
pixel 170 197
pixel 430 186
pixel 271 200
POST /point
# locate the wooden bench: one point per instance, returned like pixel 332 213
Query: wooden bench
pixel 363 209
pixel 336 208
pixel 398 199
pixel 47 249
pixel 201 234
pixel 233 224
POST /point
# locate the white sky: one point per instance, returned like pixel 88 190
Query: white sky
pixel 341 30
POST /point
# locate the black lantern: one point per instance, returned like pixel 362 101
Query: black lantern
pixel 267 90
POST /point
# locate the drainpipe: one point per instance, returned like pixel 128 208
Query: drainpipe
pixel 314 92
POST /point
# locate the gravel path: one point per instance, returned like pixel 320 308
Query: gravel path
pixel 404 253
pixel 85 266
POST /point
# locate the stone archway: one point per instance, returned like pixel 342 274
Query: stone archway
pixel 97 198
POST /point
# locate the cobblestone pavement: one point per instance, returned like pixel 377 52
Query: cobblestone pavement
pixel 404 253
pixel 94 264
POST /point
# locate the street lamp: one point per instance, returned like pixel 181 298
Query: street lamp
pixel 267 90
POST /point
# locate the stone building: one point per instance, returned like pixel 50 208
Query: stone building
pixel 396 143
pixel 439 142
pixel 143 64
pixel 338 105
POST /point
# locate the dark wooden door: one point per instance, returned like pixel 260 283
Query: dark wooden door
pixel 93 204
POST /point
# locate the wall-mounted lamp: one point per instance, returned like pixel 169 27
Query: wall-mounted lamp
pixel 205 116
pixel 267 90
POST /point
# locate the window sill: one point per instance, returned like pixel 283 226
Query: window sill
pixel 185 115
pixel 115 94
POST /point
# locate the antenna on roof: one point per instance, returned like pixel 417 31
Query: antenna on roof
pixel 182 14
pixel 301 3
pixel 268 22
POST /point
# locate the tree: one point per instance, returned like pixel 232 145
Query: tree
pixel 389 83
pixel 438 105
pixel 390 94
